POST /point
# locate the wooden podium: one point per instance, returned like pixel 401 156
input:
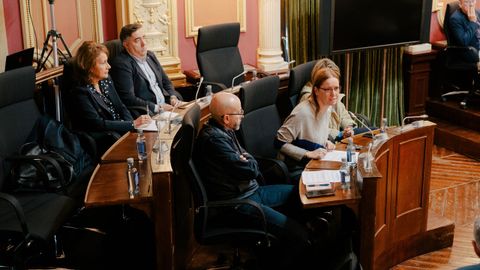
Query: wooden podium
pixel 395 224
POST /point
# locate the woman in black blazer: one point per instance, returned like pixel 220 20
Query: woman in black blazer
pixel 97 105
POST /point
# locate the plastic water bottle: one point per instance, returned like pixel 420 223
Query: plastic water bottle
pixel 351 151
pixel 345 174
pixel 141 146
pixel 208 93
pixel 383 127
pixel 254 75
pixel 130 177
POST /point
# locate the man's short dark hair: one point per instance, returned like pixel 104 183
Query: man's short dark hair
pixel 128 30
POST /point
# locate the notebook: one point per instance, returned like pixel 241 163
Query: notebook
pixel 19 59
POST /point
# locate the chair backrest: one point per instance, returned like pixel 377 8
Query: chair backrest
pixel 184 167
pixel 18 112
pixel 218 56
pixel 450 9
pixel 262 120
pixel 299 76
pixel 115 47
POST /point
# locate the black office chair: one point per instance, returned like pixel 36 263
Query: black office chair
pixel 28 220
pixel 115 47
pixel 259 128
pixel 218 56
pixel 209 228
pixel 458 64
pixel 299 76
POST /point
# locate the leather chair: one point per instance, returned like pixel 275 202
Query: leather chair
pixel 259 128
pixel 299 76
pixel 28 220
pixel 212 229
pixel 115 47
pixel 459 71
pixel 218 56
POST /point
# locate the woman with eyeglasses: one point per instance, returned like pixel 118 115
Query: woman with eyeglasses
pixel 304 134
pixel 341 123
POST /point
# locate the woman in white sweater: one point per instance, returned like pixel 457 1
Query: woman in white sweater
pixel 304 134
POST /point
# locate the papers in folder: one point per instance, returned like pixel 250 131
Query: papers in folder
pixel 321 177
pixel 336 155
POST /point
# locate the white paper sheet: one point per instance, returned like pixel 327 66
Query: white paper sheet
pixel 320 177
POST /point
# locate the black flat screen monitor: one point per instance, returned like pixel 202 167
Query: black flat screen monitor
pixel 19 59
pixel 357 25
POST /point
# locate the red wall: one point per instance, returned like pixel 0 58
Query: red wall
pixel 13 26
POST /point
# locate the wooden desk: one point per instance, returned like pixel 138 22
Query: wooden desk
pixel 393 208
pixel 166 202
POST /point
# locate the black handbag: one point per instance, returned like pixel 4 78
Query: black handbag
pixel 44 169
pixel 52 158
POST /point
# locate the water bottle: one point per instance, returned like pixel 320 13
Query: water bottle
pixel 130 177
pixel 208 93
pixel 345 174
pixel 351 151
pixel 383 127
pixel 141 146
pixel 254 75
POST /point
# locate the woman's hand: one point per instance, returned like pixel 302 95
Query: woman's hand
pixel 347 132
pixel 329 146
pixel 142 120
pixel 316 154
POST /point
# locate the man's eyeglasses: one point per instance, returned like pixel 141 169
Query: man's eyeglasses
pixel 239 113
pixel 331 90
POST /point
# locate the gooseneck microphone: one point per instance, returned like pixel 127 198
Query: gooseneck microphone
pixel 423 116
pixel 361 122
pixel 198 88
pixel 234 78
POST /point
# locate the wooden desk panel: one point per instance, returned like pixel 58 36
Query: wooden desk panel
pixel 109 186
pixel 393 208
pixel 126 147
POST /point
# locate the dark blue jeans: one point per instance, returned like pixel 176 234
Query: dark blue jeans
pixel 292 235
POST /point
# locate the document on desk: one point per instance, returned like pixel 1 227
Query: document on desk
pixel 163 117
pixel 320 177
pixel 337 155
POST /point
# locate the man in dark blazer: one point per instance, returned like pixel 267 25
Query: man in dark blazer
pixel 138 76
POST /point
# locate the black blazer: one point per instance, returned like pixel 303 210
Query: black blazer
pixel 132 84
pixel 91 113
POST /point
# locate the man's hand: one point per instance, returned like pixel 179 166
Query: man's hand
pixel 472 15
pixel 329 146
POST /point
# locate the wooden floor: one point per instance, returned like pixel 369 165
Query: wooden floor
pixel 454 194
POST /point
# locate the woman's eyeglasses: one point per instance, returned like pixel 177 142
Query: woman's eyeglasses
pixel 331 90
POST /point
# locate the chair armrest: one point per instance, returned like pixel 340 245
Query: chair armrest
pixel 216 86
pixel 236 203
pixel 41 170
pixel 18 211
pixel 273 170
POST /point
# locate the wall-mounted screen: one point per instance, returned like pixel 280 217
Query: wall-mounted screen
pixel 356 25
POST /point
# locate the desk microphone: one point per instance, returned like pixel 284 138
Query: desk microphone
pixel 423 116
pixel 361 122
pixel 198 88
pixel 234 78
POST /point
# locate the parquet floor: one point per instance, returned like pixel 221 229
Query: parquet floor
pixel 454 194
